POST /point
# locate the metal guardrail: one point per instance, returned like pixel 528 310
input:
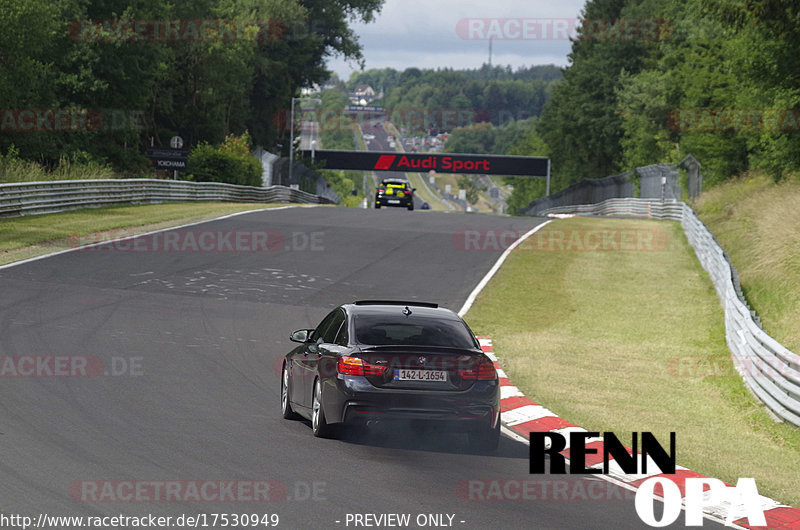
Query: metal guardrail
pixel 655 182
pixel 770 370
pixel 625 207
pixel 44 197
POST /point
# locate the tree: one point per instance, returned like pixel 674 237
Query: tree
pixel 202 82
pixel 580 123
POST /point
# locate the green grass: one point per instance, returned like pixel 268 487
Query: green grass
pixel 361 144
pixel 13 169
pixel 34 235
pixel 422 191
pixel 623 341
pixel 758 223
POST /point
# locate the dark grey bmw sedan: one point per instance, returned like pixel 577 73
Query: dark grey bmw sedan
pixel 392 362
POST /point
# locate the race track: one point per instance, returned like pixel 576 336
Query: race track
pixel 182 384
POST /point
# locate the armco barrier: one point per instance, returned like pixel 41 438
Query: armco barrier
pixel 770 370
pixel 650 208
pixel 43 197
pixel 524 417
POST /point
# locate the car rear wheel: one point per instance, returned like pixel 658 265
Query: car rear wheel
pixel 410 206
pixel 286 406
pixel 319 426
pixel 485 441
pixel 378 205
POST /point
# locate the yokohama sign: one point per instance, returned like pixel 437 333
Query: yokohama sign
pixel 438 162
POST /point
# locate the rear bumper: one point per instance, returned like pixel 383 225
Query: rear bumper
pixel 467 420
pixel 355 401
pixel 384 201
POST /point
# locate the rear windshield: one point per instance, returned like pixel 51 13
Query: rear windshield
pixel 395 184
pixel 383 330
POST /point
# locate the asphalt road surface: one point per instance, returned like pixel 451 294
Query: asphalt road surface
pixel 144 379
pixel 380 142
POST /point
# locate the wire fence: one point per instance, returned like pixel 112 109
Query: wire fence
pixel 770 370
pixel 657 181
pixel 45 197
pixel 587 191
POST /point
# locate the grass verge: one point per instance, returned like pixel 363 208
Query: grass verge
pixel 15 169
pixel 758 223
pixel 35 235
pixel 633 340
pixel 424 193
pixel 416 179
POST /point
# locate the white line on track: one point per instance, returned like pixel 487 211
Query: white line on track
pixel 51 254
pixel 504 428
pixel 496 267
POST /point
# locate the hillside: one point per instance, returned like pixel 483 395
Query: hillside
pixel 758 223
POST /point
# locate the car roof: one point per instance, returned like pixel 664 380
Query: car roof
pixel 392 307
pixel 394 181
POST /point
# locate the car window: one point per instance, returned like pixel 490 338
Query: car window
pixel 342 336
pixel 383 330
pixel 323 327
pixel 327 334
pixel 398 185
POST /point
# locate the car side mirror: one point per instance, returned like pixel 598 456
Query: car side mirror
pixel 300 335
pixel 413 189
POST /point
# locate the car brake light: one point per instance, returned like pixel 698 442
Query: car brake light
pixel 356 366
pixel 408 192
pixel 484 372
pixel 380 190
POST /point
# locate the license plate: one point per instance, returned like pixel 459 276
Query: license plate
pixel 393 201
pixel 438 376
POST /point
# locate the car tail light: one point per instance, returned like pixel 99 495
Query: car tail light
pixel 356 366
pixel 408 192
pixel 484 372
pixel 380 190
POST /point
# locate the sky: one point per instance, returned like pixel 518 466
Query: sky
pixel 455 33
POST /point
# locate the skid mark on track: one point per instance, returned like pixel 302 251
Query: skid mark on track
pixel 224 284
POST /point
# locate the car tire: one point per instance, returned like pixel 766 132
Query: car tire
pixel 286 406
pixel 485 441
pixel 377 206
pixel 411 207
pixel 319 425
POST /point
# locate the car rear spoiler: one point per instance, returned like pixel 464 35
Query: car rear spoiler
pixel 396 302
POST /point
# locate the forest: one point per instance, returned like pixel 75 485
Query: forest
pixel 494 94
pixel 97 81
pixel 719 80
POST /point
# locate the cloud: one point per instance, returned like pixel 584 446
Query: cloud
pixel 426 34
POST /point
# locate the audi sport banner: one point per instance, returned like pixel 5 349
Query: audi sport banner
pixel 438 162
